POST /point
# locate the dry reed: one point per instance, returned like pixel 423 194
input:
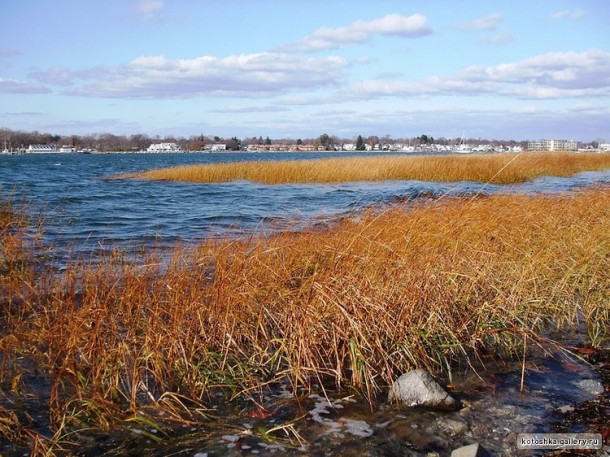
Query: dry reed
pixel 495 168
pixel 437 284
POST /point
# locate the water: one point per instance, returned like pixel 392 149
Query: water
pixel 87 209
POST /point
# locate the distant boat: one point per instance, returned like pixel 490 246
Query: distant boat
pixel 463 148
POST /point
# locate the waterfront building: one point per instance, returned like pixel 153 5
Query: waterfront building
pixel 218 147
pixel 41 149
pixel 552 145
pixel 163 147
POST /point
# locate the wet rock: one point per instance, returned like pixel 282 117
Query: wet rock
pixel 591 386
pixel 453 427
pixel 405 430
pixel 472 450
pixel 418 388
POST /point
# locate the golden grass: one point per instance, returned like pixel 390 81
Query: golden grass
pixel 439 284
pixel 15 256
pixel 496 168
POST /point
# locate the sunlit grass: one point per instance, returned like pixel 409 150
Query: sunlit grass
pixel 496 168
pixel 436 284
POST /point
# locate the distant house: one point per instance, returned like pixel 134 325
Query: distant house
pixel 164 147
pixel 218 147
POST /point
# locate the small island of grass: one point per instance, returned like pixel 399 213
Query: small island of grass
pixel 493 168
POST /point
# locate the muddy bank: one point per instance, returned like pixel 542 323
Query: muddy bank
pixel 561 394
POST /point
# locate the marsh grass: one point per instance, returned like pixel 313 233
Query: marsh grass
pixel 494 168
pixel 446 284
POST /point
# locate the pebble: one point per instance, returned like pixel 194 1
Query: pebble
pixel 472 450
pixel 591 386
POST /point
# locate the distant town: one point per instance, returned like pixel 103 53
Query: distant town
pixel 18 142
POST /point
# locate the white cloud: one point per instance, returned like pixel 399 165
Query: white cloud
pixel 552 75
pixel 485 23
pixel 569 14
pixel 592 108
pixel 11 86
pixel 412 26
pixel 148 8
pixel 251 109
pixel 245 75
pixel 56 76
pixel 499 40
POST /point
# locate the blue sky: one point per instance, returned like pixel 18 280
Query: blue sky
pixel 296 69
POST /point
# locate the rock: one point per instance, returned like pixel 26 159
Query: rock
pixel 453 427
pixel 566 409
pixel 591 386
pixel 472 450
pixel 418 388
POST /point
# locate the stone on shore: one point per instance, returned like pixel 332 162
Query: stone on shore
pixel 418 388
pixel 472 450
pixel 591 386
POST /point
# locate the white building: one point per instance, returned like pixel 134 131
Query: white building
pixel 604 147
pixel 41 149
pixel 67 149
pixel 218 147
pixel 163 147
pixel 552 145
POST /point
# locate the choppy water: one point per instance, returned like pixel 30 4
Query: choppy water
pixel 87 209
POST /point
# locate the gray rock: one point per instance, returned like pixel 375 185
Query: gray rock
pixel 472 450
pixel 591 386
pixel 418 388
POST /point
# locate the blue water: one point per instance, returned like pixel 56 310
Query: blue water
pixel 88 210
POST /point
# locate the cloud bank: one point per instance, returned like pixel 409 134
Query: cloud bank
pixel 244 75
pixel 547 76
pixel 360 32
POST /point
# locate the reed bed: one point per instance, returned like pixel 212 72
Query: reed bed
pixel 494 168
pixel 444 284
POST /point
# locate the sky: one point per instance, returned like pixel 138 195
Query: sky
pixel 491 69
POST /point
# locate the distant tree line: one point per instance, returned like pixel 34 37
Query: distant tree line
pixel 107 142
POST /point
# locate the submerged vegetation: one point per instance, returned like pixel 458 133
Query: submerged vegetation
pixel 439 284
pixel 493 168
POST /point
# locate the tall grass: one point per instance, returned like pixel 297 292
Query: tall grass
pixel 495 168
pixel 440 284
